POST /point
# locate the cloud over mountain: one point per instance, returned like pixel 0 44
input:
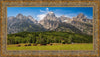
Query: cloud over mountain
pixel 44 12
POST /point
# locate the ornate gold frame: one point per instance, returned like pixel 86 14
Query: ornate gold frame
pixel 54 3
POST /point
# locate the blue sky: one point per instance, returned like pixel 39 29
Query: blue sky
pixel 39 12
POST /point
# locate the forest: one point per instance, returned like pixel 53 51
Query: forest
pixel 48 37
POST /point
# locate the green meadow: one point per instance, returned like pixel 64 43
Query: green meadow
pixel 84 46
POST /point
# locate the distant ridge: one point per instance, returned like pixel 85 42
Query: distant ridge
pixel 50 22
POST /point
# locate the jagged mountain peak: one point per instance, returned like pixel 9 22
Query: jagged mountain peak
pixel 50 16
pixel 11 17
pixel 30 17
pixel 51 13
pixel 49 22
pixel 63 16
pixel 81 15
pixel 19 15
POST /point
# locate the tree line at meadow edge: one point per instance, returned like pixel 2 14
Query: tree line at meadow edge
pixel 48 37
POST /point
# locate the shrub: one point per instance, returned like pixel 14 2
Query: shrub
pixel 51 44
pixel 25 45
pixel 29 44
pixel 18 45
pixel 63 42
pixel 34 44
pixel 42 44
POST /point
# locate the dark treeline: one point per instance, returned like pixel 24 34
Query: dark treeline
pixel 48 37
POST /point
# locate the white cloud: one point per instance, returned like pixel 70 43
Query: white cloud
pixel 57 15
pixel 41 16
pixel 42 11
pixel 47 9
pixel 71 15
pixel 90 17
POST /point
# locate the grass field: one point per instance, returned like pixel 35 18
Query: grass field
pixel 84 46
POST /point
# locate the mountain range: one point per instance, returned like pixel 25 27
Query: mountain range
pixel 78 24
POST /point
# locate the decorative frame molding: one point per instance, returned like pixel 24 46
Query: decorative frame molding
pixel 53 3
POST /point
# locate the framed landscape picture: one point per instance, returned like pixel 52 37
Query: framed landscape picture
pixel 49 28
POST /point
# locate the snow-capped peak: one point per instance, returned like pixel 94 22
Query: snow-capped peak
pixel 51 13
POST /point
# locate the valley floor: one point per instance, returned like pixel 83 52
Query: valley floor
pixel 81 46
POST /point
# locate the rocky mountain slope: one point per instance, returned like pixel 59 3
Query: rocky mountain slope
pixel 83 24
pixel 22 23
pixel 78 24
pixel 50 21
pixel 82 18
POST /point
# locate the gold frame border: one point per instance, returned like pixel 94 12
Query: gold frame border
pixel 53 6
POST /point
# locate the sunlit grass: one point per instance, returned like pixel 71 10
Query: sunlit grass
pixel 88 46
